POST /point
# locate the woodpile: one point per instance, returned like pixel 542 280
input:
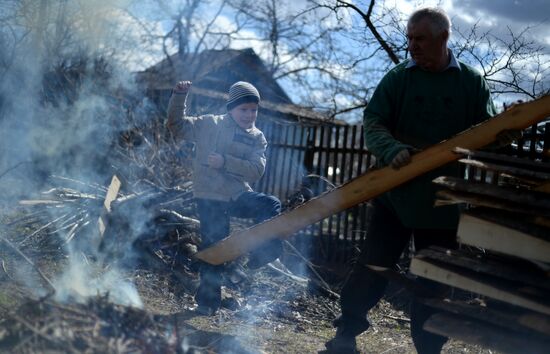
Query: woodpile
pixel 504 258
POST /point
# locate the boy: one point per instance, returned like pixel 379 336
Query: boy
pixel 229 156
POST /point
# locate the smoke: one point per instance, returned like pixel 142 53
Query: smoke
pixel 60 112
pixel 82 280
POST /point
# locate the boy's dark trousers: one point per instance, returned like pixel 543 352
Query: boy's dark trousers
pixel 386 239
pixel 214 226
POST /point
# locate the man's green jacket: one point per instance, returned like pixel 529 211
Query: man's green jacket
pixel 414 109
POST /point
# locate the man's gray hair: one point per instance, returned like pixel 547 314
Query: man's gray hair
pixel 438 18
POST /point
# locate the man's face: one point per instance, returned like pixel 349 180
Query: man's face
pixel 245 114
pixel 427 50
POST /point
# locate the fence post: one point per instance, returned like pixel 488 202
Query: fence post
pixel 308 155
pixel 546 142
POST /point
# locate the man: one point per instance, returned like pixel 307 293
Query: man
pixel 229 156
pixel 419 103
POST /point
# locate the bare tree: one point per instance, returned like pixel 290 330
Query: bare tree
pixel 191 25
pixel 513 65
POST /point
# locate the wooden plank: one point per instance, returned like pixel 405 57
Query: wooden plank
pixel 483 334
pixel 512 170
pixel 480 232
pixel 539 216
pixel 513 318
pixel 40 202
pixel 512 270
pixel 505 159
pixel 525 197
pixel 532 224
pixel 466 279
pixel 374 183
pixel 111 195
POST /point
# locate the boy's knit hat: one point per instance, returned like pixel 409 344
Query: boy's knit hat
pixel 242 92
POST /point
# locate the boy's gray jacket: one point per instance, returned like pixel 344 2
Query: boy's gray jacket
pixel 243 151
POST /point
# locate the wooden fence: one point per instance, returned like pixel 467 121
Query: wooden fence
pixel 335 154
pixel 319 157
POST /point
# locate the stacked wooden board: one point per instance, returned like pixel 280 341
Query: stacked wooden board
pixel 504 258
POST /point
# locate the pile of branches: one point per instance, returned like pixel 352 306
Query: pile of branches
pixel 97 326
pixel 129 140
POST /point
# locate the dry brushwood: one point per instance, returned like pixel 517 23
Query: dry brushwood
pixel 97 326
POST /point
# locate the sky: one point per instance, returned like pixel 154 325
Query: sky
pixel 500 14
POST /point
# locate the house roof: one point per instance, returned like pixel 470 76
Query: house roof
pixel 214 71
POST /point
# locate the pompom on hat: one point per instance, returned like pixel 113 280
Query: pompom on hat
pixel 242 92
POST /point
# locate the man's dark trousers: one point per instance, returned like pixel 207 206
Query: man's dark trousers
pixel 386 239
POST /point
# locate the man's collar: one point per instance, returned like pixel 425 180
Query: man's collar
pixel 453 63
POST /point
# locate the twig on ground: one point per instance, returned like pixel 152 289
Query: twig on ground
pixel 323 284
pixel 13 168
pixel 393 348
pixel 32 328
pixel 277 267
pixel 5 269
pixel 404 319
pixel 42 228
pixel 15 249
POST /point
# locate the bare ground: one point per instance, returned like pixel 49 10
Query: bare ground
pixel 268 313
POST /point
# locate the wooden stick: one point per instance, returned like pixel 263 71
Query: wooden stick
pixel 374 183
pixel 515 171
pixel 322 281
pixel 513 318
pixel 540 216
pixel 481 232
pixel 525 197
pixel 506 159
pixel 471 331
pixel 112 192
pixel 53 289
pixel 474 280
pixel 39 332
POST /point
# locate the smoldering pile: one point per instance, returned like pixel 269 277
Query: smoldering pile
pixel 99 326
pixel 114 131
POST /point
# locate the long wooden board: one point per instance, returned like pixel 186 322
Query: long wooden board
pixel 520 162
pixel 111 195
pixel 477 231
pixel 510 317
pixel 515 195
pixel 496 266
pixel 446 197
pixel 374 183
pixel 467 279
pixel 484 334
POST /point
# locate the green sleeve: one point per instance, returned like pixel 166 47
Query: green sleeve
pixel 379 119
pixel 487 106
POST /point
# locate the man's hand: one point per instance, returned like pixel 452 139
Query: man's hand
pixel 402 158
pixel 183 87
pixel 215 160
